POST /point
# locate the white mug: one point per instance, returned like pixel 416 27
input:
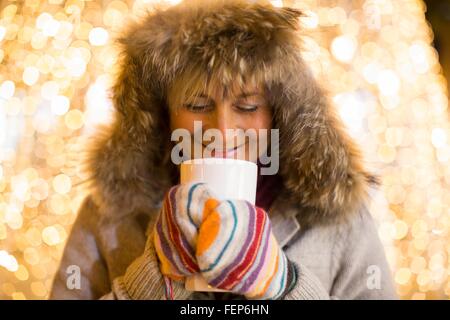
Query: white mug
pixel 227 179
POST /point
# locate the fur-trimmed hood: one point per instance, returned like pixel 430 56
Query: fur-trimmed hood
pixel 128 159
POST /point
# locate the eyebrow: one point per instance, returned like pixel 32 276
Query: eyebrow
pixel 243 95
pixel 249 94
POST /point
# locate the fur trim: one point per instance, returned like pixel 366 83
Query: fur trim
pixel 129 161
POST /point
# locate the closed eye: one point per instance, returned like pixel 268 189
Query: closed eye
pixel 198 107
pixel 246 107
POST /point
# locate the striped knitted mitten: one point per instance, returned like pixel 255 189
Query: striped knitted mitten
pixel 237 251
pixel 176 229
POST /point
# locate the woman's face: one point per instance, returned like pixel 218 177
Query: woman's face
pixel 248 110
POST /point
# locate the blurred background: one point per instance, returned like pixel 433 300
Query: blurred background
pixel 385 62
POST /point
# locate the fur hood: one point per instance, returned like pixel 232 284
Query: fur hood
pixel 128 160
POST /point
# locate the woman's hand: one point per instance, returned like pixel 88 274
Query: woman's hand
pixel 176 230
pixel 230 242
pixel 237 251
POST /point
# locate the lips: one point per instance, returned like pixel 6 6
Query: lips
pixel 228 153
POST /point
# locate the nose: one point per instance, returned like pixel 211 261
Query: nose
pixel 224 120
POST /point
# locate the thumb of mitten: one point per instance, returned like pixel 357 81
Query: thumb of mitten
pixel 193 202
pixel 176 230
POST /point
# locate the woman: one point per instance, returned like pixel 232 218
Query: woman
pixel 232 65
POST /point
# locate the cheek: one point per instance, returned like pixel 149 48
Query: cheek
pixel 260 120
pixel 184 120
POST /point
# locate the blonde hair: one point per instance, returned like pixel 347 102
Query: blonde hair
pixel 195 81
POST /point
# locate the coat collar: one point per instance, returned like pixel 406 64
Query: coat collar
pixel 283 216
